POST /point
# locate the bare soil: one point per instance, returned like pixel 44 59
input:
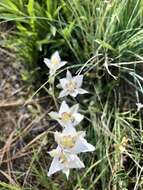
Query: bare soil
pixel 22 125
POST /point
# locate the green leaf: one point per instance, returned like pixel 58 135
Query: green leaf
pixel 10 186
pixel 30 9
pixel 9 5
pixel 49 6
pixel 105 45
pixel 68 30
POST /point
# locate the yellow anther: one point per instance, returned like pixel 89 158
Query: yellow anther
pixel 68 141
pixel 66 116
pixel 71 85
pixel 54 61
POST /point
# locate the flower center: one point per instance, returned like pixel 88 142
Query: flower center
pixel 68 141
pixel 71 85
pixel 66 116
pixel 55 61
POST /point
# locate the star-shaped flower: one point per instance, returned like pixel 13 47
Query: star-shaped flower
pixel 54 63
pixel 139 106
pixel 63 161
pixel 67 116
pixel 72 141
pixel 71 85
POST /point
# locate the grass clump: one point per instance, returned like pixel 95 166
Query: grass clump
pixel 103 40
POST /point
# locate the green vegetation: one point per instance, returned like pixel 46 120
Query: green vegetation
pixel 103 40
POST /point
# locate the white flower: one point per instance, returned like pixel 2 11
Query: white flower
pixel 139 106
pixel 71 85
pixel 63 161
pixel 72 141
pixel 54 63
pixel 67 116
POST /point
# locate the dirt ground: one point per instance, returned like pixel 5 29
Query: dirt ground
pixel 21 123
pixel 10 93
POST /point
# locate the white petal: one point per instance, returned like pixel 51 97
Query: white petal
pixel 63 82
pixel 75 93
pixel 55 167
pixel 78 79
pixel 57 136
pixel 60 65
pixel 68 75
pixel 75 162
pixel 66 171
pixel 81 134
pixel 54 152
pixel 83 146
pixel 78 118
pixel 63 93
pixel 69 130
pixel 61 122
pixel 64 107
pixel 54 115
pixel 65 124
pixel 47 62
pixel 68 124
pixel 139 106
pixel 63 63
pixel 74 109
pixel 55 56
pixel 82 91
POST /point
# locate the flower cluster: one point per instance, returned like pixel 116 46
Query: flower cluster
pixel 69 142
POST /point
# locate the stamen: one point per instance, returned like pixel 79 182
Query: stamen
pixel 55 61
pixel 68 141
pixel 71 85
pixel 66 116
pixel 62 158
